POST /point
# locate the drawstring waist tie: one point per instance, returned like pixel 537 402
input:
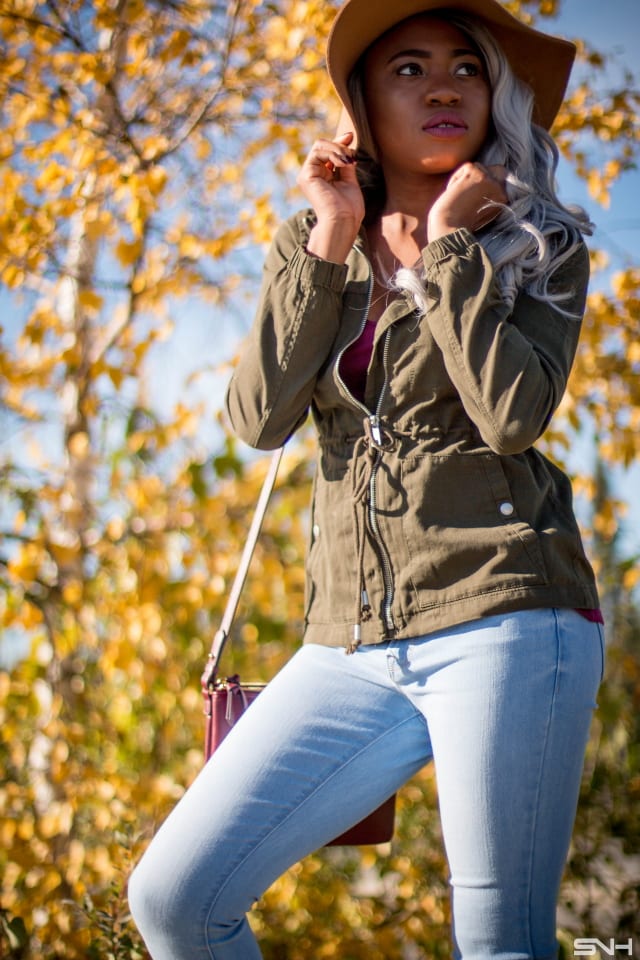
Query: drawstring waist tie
pixel 368 450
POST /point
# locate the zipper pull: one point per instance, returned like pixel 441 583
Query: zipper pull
pixel 357 640
pixel 365 606
pixel 376 432
pixel 380 438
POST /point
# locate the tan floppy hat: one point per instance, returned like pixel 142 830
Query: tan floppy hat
pixel 542 61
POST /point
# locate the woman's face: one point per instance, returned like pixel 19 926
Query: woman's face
pixel 427 96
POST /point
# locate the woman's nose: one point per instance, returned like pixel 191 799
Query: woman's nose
pixel 441 90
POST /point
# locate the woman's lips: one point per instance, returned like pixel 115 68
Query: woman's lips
pixel 445 125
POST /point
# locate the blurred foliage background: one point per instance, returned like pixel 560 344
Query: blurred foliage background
pixel 147 150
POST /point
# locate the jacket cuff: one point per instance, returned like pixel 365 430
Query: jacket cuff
pixel 457 244
pixel 315 272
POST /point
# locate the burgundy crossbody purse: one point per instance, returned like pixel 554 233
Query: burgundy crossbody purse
pixel 225 700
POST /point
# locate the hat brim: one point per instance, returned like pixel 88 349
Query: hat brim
pixel 542 61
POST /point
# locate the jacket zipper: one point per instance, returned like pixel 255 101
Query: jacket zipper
pixel 374 421
pixel 383 553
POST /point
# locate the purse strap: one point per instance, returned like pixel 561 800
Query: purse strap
pixel 208 678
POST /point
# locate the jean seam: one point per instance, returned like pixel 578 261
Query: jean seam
pixel 536 809
pixel 603 651
pixel 282 823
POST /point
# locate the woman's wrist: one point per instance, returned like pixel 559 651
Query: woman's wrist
pixel 332 240
pixel 438 227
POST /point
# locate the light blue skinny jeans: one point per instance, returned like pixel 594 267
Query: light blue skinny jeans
pixel 502 706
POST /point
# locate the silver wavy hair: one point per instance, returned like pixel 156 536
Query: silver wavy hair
pixel 535 233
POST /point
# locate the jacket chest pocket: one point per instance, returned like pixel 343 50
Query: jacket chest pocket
pixel 462 530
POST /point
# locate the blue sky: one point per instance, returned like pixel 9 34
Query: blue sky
pixel 613 28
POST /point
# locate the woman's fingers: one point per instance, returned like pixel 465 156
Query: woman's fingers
pixel 331 153
pixel 472 198
pixel 328 180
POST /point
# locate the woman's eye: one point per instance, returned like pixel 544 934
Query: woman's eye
pixel 410 70
pixel 467 70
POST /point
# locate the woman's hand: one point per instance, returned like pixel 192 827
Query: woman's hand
pixel 468 200
pixel 328 181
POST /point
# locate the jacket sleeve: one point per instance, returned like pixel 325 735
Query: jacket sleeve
pixel 509 365
pixel 295 327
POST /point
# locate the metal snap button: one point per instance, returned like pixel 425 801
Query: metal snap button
pixel 507 509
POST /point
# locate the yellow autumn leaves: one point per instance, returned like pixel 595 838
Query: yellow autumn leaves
pixel 146 152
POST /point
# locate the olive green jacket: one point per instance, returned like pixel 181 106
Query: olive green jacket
pixel 431 505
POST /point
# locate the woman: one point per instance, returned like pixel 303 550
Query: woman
pixel 426 309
